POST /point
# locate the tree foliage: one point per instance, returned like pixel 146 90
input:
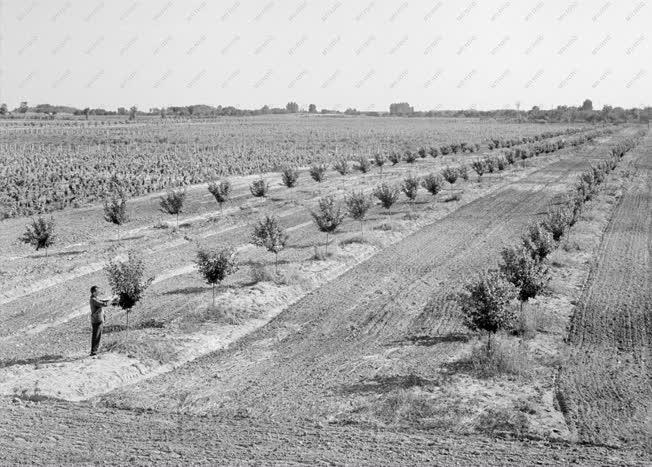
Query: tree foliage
pixel 290 177
pixel 221 191
pixel 172 202
pixel 270 234
pixel 215 265
pixel 259 188
pixel 39 234
pixel 485 303
pixel 328 217
pixel 386 194
pixel 126 279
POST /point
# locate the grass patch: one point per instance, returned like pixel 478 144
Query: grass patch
pixel 358 239
pixel 219 313
pixel 505 422
pixel 506 357
pixel 158 350
pixel 453 197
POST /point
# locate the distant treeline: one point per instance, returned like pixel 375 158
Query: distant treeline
pixel 563 113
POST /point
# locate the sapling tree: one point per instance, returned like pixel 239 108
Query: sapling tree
pixel 432 183
pixel 328 217
pixel 127 280
pixel 357 204
pixel 318 172
pixel 172 203
pixel 479 166
pixel 221 191
pixel 394 157
pixel 450 174
pixel 557 221
pixel 538 241
pixel 363 164
pixel 410 187
pixel 259 188
pixel 529 276
pixel 115 210
pixel 410 157
pixel 216 265
pixel 39 234
pixel 486 304
pixel 380 160
pixel 341 166
pixel 387 195
pixel 270 234
pixel 290 177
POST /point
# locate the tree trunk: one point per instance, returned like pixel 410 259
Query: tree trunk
pixel 276 263
pixel 362 229
pixel 177 221
pixel 489 343
pixel 326 254
pixel 127 334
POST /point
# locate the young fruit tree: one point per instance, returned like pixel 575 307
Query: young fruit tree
pixel 290 177
pixel 538 241
pixel 557 221
pixel 328 218
pixel 387 195
pixel 410 187
pixel 341 166
pixel 220 191
pixel 479 166
pixel 394 157
pixel 410 157
pixel 115 210
pixel 216 265
pixel 39 234
pixel 126 279
pixel 318 172
pixel 269 233
pixel 380 160
pixel 486 304
pixel 528 275
pixel 363 164
pixel 259 188
pixel 450 174
pixel 357 204
pixel 172 203
pixel 432 183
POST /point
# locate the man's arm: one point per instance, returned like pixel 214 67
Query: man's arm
pixel 99 302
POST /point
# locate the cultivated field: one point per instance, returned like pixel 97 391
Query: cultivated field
pixel 360 355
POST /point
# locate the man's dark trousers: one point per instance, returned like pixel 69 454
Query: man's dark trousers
pixel 95 338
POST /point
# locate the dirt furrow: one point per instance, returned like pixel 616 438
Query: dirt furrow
pixel 298 362
pixel 605 388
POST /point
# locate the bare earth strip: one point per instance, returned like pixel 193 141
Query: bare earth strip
pixel 271 396
pixel 605 389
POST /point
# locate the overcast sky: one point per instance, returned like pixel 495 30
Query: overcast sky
pixel 434 54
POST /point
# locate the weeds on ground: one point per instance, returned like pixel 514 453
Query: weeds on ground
pixel 146 349
pixel 506 357
pixel 219 313
pixel 502 421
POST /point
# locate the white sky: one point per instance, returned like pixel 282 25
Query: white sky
pixel 434 54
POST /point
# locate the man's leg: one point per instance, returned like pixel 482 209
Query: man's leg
pixel 95 339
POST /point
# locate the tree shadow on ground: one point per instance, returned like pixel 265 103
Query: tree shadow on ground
pixel 187 291
pixel 428 341
pixel 34 360
pixel 60 254
pixel 124 239
pixel 147 324
pixel 385 384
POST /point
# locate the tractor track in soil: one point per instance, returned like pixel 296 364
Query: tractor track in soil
pixel 298 363
pixel 605 388
pixel 284 379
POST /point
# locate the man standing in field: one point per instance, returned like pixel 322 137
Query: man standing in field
pixel 97 317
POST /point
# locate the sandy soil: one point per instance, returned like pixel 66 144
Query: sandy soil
pixel 321 366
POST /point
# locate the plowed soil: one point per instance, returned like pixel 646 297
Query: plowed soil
pixel 299 388
pixel 606 388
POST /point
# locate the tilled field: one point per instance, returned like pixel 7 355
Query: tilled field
pixel 605 388
pixel 299 388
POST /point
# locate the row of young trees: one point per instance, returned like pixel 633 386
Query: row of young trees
pixel 40 233
pixel 523 271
